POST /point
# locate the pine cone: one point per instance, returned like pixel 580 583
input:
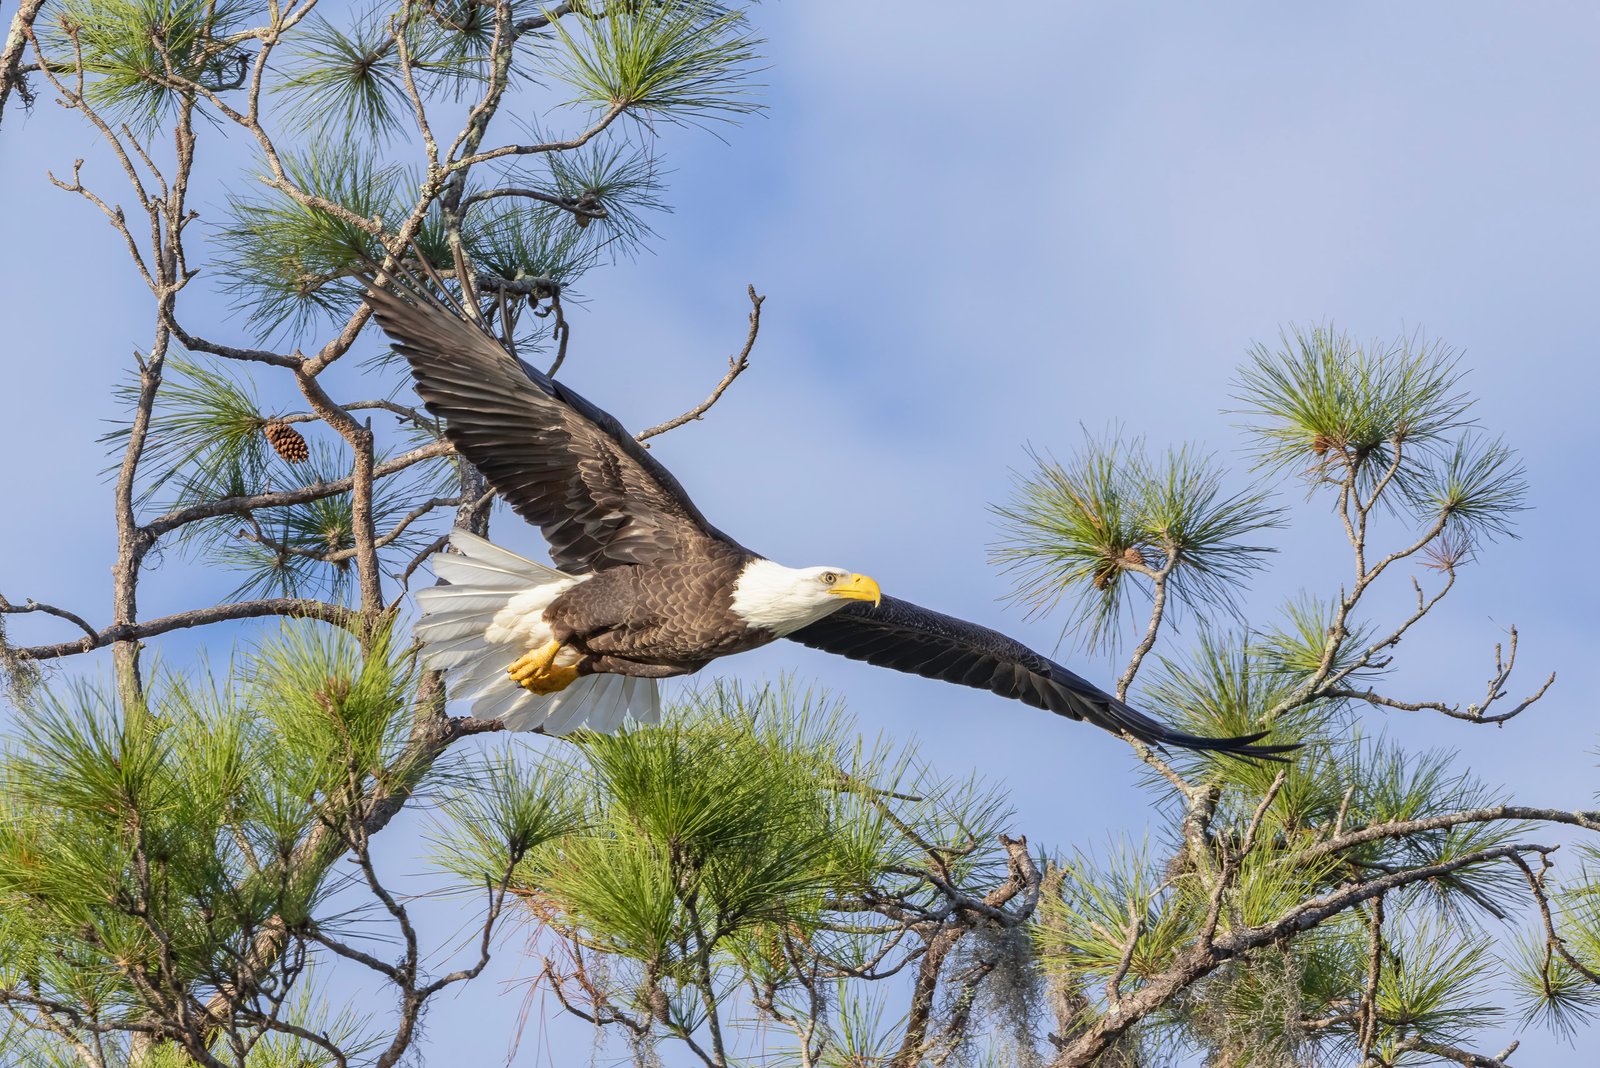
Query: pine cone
pixel 286 442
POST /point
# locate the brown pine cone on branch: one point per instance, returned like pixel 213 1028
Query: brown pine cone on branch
pixel 286 441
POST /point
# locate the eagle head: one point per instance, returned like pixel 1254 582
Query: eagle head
pixel 782 599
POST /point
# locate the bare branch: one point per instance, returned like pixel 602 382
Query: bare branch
pixel 737 364
pixel 198 617
pixel 199 344
pixel 1402 828
pixel 1130 941
pixel 1158 608
pixel 549 146
pixel 561 331
pixel 30 605
pixel 1554 943
pixel 408 75
pixel 1503 665
pixel 1450 1053
pixel 406 412
pixel 1368 1015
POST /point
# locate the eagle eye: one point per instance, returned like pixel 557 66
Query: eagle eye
pixel 830 577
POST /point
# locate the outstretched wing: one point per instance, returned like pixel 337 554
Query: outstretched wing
pixel 898 634
pixel 563 464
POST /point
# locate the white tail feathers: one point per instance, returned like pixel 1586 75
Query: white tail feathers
pixel 490 614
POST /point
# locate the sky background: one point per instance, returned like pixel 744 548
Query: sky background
pixel 980 230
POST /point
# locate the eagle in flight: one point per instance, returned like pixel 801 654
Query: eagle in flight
pixel 644 587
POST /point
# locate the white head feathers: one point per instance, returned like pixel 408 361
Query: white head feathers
pixel 784 599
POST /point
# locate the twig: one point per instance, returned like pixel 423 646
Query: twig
pixel 1130 942
pixel 540 21
pixel 1158 607
pixel 737 364
pixel 30 605
pixel 579 141
pixel 576 206
pixel 561 330
pixel 434 546
pixel 603 1013
pixel 1503 666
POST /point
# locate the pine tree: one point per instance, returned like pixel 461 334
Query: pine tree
pixel 750 878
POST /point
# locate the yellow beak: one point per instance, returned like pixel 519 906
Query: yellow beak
pixel 858 588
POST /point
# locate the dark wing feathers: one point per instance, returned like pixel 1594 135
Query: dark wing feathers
pixel 563 464
pixel 898 634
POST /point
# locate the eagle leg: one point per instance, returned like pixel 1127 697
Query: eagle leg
pixel 538 672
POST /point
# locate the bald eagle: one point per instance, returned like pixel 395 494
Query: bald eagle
pixel 644 587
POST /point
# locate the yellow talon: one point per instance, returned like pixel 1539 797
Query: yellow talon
pixel 534 664
pixel 538 673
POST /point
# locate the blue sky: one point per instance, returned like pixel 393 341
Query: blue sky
pixel 982 231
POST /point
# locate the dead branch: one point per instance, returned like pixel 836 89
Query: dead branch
pixel 1504 662
pixel 199 617
pixel 1449 1053
pixel 737 364
pixel 1024 878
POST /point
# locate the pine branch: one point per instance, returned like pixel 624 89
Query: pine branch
pixel 198 617
pixel 11 75
pixel 182 516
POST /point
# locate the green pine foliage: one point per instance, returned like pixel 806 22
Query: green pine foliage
pixel 750 873
pixel 133 48
pixel 286 261
pixel 1076 531
pixel 705 834
pixel 144 849
pixel 307 549
pixel 1128 913
pixel 515 242
pixel 354 75
pixel 694 858
pixel 206 437
pixel 683 60
pixel 1321 402
pixel 622 181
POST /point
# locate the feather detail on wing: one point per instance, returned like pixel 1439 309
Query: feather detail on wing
pixel 904 636
pixel 563 464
